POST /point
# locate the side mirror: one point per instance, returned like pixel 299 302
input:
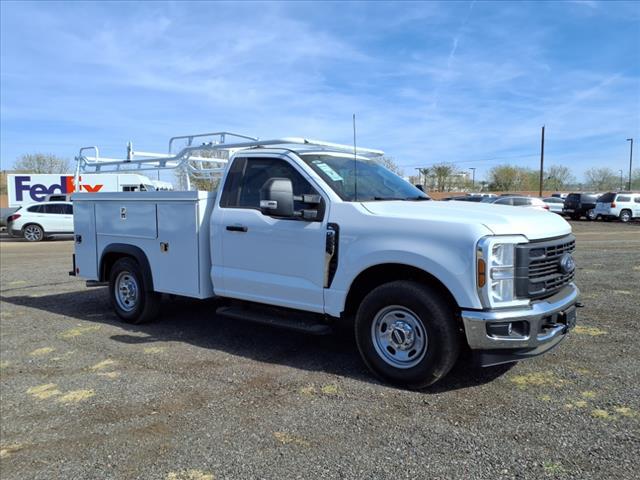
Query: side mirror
pixel 276 198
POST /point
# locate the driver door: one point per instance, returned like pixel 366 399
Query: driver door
pixel 278 261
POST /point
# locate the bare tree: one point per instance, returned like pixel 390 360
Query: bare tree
pixel 390 164
pixel 601 179
pixel 558 177
pixel 42 163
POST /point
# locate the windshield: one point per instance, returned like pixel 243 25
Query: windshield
pixel 374 182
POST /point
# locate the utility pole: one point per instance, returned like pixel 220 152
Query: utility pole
pixel 419 175
pixel 630 160
pixel 541 162
pixel 473 179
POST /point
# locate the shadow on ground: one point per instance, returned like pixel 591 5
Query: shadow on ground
pixel 195 322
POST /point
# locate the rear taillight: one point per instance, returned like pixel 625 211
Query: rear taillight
pixel 546 207
pixel 12 218
pixel 613 204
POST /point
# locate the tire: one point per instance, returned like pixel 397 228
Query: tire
pixel 591 215
pixel 423 342
pixel 33 232
pixel 131 298
pixel 625 216
pixel 575 216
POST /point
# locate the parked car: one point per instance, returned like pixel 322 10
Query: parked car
pixel 291 243
pixel 578 205
pixel 517 201
pixel 624 206
pixel 556 204
pixel 41 221
pixel 465 198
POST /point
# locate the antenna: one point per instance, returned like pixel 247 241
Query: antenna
pixel 355 162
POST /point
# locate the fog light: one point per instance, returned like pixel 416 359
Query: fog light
pixel 500 329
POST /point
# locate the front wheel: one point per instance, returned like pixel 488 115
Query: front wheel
pixel 130 298
pixel 591 215
pixel 407 334
pixel 625 216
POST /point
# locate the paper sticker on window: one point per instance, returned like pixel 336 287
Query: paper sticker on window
pixel 331 173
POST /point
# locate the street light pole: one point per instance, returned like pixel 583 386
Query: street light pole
pixel 621 180
pixel 541 162
pixel 473 178
pixel 630 160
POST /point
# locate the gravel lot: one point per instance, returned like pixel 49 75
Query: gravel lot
pixel 192 396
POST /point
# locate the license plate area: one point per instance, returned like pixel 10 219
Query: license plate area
pixel 568 317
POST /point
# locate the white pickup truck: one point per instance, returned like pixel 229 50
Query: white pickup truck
pixel 305 234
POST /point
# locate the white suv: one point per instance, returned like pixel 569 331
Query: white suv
pixel 624 206
pixel 40 221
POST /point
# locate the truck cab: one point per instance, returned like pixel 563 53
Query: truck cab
pixel 308 235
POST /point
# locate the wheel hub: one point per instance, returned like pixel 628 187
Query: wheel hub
pixel 402 336
pixel 126 291
pixel 399 337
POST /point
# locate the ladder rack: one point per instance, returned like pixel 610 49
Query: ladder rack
pixel 206 161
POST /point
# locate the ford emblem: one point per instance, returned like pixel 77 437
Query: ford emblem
pixel 567 263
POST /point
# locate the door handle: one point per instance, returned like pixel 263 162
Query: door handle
pixel 237 228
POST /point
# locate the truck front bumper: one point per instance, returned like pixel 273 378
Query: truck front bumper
pixel 503 336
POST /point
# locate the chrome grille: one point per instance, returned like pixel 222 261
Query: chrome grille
pixel 538 270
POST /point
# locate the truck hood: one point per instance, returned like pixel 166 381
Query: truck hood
pixel 499 219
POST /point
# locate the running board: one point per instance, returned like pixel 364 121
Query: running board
pixel 288 319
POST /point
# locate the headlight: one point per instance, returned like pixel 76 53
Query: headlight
pixel 496 262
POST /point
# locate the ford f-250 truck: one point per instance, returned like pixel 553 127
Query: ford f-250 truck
pixel 303 234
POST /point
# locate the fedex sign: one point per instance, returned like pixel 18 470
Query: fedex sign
pixel 29 188
pixel 23 189
pixel 37 192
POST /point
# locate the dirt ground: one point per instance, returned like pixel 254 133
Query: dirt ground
pixel 193 396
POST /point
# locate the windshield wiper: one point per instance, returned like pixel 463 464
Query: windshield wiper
pixel 401 198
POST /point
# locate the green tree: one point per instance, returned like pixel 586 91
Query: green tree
pixel 42 163
pixel 509 178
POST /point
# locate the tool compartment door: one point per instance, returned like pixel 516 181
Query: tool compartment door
pixel 176 257
pixel 85 248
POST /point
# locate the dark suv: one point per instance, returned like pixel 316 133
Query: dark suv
pixel 579 205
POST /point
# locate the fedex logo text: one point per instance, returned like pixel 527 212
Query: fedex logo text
pixel 39 191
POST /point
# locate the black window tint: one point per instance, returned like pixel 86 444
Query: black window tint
pixel 67 209
pixel 230 191
pixel 505 201
pixel 519 202
pixel 637 199
pixel 35 209
pixel 623 198
pixel 607 198
pixel 53 208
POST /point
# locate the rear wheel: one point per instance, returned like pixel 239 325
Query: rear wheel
pixel 575 216
pixel 591 214
pixel 131 299
pixel 407 334
pixel 33 233
pixel 625 216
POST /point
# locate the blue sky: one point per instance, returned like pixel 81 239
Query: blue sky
pixel 463 82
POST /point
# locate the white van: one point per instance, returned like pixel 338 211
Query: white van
pixel 624 206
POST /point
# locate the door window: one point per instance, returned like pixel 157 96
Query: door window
pixel 36 209
pixel 520 202
pixel 67 209
pixel 622 198
pixel 54 208
pixel 247 176
pixel 504 201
